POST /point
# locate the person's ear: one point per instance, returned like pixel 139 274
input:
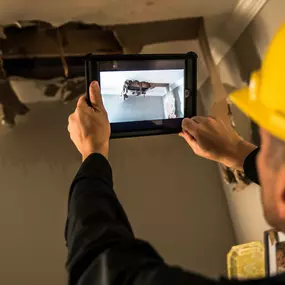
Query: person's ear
pixel 280 192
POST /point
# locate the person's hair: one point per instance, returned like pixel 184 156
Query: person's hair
pixel 276 157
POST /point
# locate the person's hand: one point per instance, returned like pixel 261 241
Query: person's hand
pixel 89 127
pixel 212 139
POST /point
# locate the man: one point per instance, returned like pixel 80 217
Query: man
pixel 102 248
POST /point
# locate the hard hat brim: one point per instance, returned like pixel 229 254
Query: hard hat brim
pixel 259 113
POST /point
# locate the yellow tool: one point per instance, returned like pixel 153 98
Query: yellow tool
pixel 264 100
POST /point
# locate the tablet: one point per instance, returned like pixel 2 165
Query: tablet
pixel 146 94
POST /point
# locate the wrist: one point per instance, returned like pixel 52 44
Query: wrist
pixel 102 149
pixel 238 154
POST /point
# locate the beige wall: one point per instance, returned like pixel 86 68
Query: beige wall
pixel 245 207
pixel 173 198
pixel 37 163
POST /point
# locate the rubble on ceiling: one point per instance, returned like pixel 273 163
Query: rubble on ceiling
pixel 37 50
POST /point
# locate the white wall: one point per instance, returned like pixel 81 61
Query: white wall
pixel 173 198
pixel 135 108
pixel 179 100
pixel 245 207
pixel 169 106
pixel 37 163
pixel 173 101
pixel 112 82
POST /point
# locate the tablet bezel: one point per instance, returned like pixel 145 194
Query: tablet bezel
pixel 153 127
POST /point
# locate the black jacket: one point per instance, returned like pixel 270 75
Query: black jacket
pixel 102 248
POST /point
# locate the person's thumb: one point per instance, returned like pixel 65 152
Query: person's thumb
pixel 95 94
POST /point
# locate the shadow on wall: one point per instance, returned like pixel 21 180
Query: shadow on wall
pixel 248 60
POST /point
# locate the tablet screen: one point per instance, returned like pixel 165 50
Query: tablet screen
pixel 147 90
pixel 145 94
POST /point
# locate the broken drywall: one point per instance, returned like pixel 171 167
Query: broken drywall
pixel 109 12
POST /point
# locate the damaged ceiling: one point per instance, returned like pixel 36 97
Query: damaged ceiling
pixel 110 12
pixel 46 52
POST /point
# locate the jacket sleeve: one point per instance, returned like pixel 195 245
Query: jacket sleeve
pixel 96 220
pixel 250 167
pixel 101 245
pixel 102 249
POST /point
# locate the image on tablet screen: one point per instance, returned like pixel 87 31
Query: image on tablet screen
pixel 143 95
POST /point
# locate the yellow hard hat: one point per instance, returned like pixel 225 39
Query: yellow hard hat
pixel 264 100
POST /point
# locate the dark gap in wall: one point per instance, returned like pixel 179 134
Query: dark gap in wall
pixel 249 61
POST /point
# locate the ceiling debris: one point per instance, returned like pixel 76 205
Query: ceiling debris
pixel 10 104
pixel 40 39
pixel 37 50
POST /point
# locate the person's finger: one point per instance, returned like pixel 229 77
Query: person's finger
pixel 190 126
pixel 82 101
pixel 95 94
pixel 186 135
pixel 189 139
pixel 200 119
pixel 70 119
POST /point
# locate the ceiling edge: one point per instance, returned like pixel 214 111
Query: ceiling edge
pixel 224 38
